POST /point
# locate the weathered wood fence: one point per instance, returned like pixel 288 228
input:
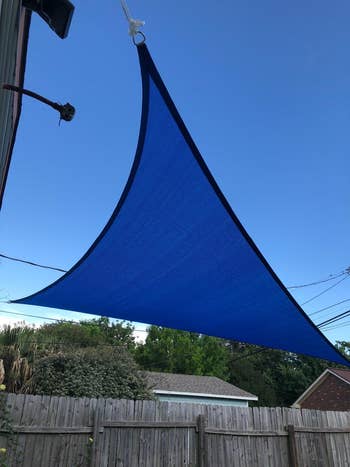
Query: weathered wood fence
pixel 70 432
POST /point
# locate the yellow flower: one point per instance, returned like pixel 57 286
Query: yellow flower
pixel 2 450
pixel 2 387
pixel 91 440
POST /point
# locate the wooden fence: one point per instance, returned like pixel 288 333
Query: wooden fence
pixel 70 432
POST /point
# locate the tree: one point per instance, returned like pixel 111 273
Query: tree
pixel 343 347
pixel 175 351
pixel 215 357
pixel 169 350
pixel 88 333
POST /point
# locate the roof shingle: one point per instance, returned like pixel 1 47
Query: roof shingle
pixel 345 374
pixel 194 384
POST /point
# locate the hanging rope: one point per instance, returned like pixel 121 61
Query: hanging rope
pixel 134 24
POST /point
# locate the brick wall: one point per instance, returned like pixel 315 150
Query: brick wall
pixel 331 394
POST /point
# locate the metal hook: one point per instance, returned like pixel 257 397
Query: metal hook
pixel 142 41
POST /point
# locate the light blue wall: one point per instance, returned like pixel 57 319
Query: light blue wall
pixel 202 400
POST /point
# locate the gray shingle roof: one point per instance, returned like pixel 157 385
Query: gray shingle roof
pixel 194 384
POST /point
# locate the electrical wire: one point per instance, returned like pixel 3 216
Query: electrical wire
pixel 332 314
pixel 39 317
pixel 328 307
pixel 331 278
pixel 326 290
pixel 52 319
pixel 61 343
pixel 30 263
pixel 335 318
pixel 337 326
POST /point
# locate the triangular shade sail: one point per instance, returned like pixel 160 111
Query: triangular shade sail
pixel 174 253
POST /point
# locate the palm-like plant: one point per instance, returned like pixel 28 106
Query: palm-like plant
pixel 17 354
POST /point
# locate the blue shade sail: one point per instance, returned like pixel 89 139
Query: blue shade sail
pixel 174 253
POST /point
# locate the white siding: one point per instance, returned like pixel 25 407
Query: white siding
pixel 203 400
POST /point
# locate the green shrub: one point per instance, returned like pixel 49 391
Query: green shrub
pixel 98 372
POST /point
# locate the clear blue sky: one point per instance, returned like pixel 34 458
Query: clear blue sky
pixel 264 88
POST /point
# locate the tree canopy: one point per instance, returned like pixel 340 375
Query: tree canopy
pixel 174 351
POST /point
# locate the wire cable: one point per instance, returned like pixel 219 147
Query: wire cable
pixel 335 318
pixel 332 314
pixel 30 263
pixel 65 343
pixel 328 307
pixel 331 278
pixel 336 326
pixel 326 290
pixel 36 316
pixel 346 273
pixel 59 320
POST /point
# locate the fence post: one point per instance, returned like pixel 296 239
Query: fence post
pixel 292 447
pixel 95 451
pixel 202 448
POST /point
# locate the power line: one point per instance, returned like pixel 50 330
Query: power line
pixel 59 320
pixel 36 316
pixel 52 319
pixel 332 314
pixel 65 343
pixel 326 290
pixel 334 318
pixel 331 278
pixel 328 307
pixel 30 263
pixel 337 326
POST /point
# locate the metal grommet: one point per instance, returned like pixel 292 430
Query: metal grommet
pixel 142 40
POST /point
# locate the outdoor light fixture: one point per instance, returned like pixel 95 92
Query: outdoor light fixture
pixel 66 111
pixel 56 13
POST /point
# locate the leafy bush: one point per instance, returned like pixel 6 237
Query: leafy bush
pixel 101 372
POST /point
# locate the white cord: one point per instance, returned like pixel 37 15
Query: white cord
pixel 134 24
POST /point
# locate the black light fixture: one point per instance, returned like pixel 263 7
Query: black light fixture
pixel 56 13
pixel 66 111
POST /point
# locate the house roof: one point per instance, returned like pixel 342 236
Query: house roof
pixel 344 375
pixel 193 385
